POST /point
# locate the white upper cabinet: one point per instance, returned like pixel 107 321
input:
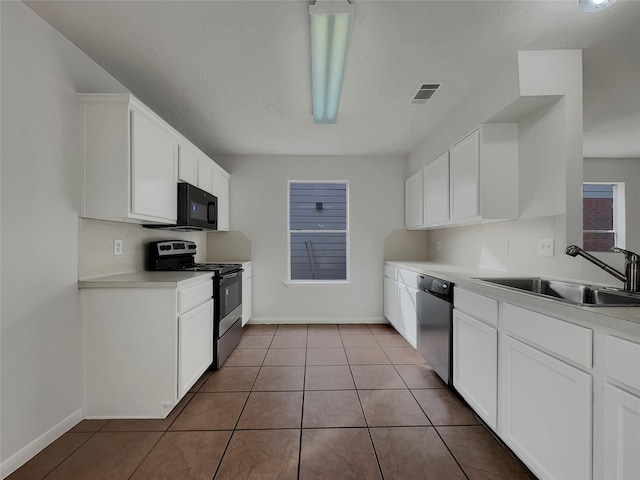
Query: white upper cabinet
pixel 221 190
pixel 475 181
pixel 188 164
pixel 129 163
pixel 413 186
pixel 154 154
pixel 205 174
pixel 464 177
pixel 436 191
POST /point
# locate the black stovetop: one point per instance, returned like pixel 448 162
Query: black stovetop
pixel 179 255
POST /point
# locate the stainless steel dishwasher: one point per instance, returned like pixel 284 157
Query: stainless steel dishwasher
pixel 435 325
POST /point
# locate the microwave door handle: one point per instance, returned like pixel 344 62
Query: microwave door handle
pixel 211 212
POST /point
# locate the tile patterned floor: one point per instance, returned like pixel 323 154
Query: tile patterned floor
pixel 295 402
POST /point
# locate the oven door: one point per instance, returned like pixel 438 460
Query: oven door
pixel 229 300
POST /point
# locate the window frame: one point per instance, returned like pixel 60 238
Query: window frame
pixel 619 215
pixel 347 232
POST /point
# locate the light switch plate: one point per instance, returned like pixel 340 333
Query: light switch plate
pixel 545 247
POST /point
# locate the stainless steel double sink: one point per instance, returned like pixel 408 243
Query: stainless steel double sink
pixel 575 293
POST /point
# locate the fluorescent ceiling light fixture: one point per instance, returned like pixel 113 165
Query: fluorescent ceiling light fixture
pixel 330 28
pixel 594 5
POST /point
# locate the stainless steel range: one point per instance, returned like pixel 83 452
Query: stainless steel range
pixel 179 255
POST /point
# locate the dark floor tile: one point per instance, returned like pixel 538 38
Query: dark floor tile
pixel 340 453
pixel 324 377
pixel 322 327
pixel 481 456
pixel 231 379
pixel 376 376
pixel 147 425
pixel 89 426
pixel 353 329
pixel 414 453
pixel 255 341
pixel 382 329
pixel 293 328
pixel 261 454
pixel 268 410
pixel 366 356
pixel 285 357
pixel 184 456
pixel 107 456
pixel 332 409
pixel 211 411
pixel 324 340
pixel 403 356
pixel 259 329
pixel 280 379
pixel 391 341
pixel 420 376
pixel 360 341
pixel 49 458
pixel 443 407
pixel 246 357
pixel 388 408
pixel 289 341
pixel 196 386
pixel 326 356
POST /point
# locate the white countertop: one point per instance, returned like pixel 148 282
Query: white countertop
pixel 625 319
pixel 146 280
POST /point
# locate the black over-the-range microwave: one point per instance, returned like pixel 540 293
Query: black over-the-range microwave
pixel 197 210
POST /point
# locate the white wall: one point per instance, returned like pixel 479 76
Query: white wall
pixel 259 210
pixel 41 381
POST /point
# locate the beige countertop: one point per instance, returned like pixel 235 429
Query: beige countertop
pixel 624 319
pixel 146 280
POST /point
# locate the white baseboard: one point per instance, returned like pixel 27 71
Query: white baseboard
pixel 25 454
pixel 317 320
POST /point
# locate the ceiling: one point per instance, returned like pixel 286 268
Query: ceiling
pixel 234 76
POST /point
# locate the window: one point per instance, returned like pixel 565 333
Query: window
pixel 603 216
pixel 318 231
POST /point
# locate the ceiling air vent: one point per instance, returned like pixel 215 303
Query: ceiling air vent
pixel 424 92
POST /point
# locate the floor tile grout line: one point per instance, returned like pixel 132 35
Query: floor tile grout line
pixel 68 456
pixel 147 454
pixel 304 385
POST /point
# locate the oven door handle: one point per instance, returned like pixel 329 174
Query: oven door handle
pixel 229 275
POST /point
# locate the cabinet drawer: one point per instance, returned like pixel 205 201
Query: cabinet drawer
pixel 565 339
pixel 482 308
pixel 622 360
pixel 193 296
pixel 410 279
pixel 390 272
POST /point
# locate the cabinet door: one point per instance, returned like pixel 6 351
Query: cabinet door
pixel 391 301
pixel 205 174
pixel 407 314
pixel 246 297
pixel 221 190
pixel 621 434
pixel 154 151
pixel 188 165
pixel 475 365
pixel 463 172
pixel 436 191
pixel 546 411
pixel 413 201
pixel 195 345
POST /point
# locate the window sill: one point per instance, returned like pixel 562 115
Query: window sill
pixel 316 283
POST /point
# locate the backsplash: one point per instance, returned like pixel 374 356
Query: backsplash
pixel 406 245
pixel 511 246
pixel 232 246
pixel 95 246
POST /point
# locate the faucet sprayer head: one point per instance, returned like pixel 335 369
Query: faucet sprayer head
pixel 572 250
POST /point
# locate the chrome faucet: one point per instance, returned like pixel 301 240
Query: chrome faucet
pixel 631 277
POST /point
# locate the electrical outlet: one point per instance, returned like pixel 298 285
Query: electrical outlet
pixel 545 247
pixel 438 245
pixel 117 247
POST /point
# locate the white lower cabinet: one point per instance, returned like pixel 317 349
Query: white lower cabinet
pixel 407 315
pixel 475 365
pixel 144 348
pixel 391 301
pixel 621 459
pixel 246 293
pixel 195 346
pixel 546 411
